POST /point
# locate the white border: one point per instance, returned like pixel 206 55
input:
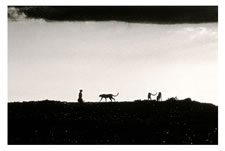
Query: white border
pixel 112 2
pixel 221 80
pixel 3 76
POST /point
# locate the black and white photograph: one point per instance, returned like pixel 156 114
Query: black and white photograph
pixel 112 75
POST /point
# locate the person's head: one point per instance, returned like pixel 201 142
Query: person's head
pixel 81 90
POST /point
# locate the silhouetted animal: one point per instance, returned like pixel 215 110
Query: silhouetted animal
pixel 159 96
pixel 110 96
pixel 150 94
pixel 80 100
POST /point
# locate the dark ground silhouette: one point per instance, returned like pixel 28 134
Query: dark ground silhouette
pixel 141 122
pixel 141 14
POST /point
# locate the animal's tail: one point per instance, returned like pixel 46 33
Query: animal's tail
pixel 116 94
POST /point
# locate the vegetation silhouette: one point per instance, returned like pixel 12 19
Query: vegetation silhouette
pixel 141 122
pixel 108 96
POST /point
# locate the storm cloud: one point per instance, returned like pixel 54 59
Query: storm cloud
pixel 139 14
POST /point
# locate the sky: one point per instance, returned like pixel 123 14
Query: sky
pixel 52 58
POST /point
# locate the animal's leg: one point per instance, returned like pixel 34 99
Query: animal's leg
pixel 101 99
pixel 105 99
pixel 113 99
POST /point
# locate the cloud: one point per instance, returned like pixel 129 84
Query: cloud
pixel 15 14
pixel 140 14
pixel 201 33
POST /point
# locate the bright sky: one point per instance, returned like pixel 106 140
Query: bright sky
pixel 53 60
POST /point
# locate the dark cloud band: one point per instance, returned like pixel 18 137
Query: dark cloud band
pixel 142 14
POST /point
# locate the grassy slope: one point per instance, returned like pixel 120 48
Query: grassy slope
pixel 169 122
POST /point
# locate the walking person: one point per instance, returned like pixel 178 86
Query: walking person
pixel 80 99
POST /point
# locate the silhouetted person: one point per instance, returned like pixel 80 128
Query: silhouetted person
pixel 159 97
pixel 80 100
pixel 150 94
